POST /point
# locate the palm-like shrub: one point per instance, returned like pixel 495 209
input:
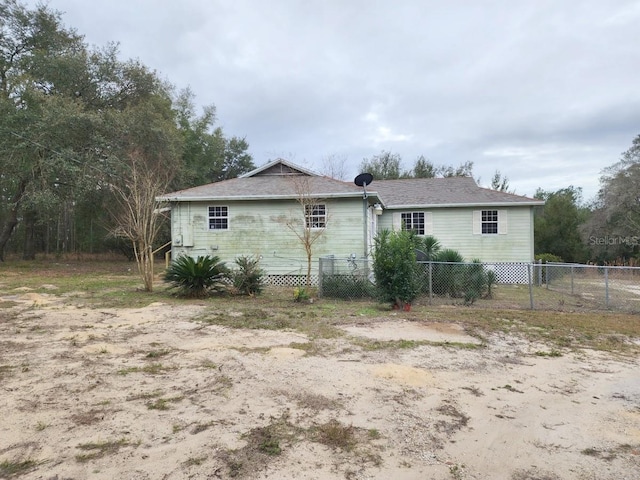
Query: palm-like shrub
pixel 248 278
pixel 429 247
pixel 475 281
pixel 197 277
pixel 449 277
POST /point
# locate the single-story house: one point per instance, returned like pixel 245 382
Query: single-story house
pixel 268 211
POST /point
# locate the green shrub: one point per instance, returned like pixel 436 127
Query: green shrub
pixel 428 246
pixel 347 287
pixel 449 276
pixel 248 278
pixel 492 279
pixel 475 281
pixel 301 294
pixel 548 258
pixel 197 278
pixel 395 267
pixel 546 274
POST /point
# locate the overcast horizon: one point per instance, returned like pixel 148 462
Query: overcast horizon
pixel 545 92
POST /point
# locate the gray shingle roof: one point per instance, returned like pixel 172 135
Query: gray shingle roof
pixel 265 187
pixel 462 191
pixel 275 181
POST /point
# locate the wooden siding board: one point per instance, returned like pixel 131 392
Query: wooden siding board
pixel 260 229
pixel 453 227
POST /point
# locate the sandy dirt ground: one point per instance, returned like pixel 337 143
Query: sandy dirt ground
pixel 152 393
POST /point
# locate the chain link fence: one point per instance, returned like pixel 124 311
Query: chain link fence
pixel 606 286
pixel 550 286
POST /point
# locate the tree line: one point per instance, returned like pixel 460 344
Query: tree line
pixel 605 230
pixel 77 124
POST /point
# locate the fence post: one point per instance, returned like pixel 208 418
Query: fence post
pixel 320 272
pixel 530 279
pixel 546 275
pixel 606 286
pixel 430 283
pixel 539 272
pixel 571 279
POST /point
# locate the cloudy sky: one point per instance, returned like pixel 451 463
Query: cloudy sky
pixel 546 92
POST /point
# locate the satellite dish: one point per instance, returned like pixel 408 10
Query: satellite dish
pixel 421 256
pixel 363 179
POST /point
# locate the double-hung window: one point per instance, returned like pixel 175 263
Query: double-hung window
pixel 315 216
pixel 489 221
pixel 413 221
pixel 218 218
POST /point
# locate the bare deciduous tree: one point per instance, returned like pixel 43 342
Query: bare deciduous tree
pixel 334 166
pixel 314 218
pixel 138 214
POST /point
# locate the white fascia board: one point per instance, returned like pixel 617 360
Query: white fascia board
pixel 534 203
pixel 229 198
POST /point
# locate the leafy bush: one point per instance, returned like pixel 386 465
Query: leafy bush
pixel 347 286
pixel 548 258
pixel 449 255
pixel 248 278
pixel 475 281
pixel 492 279
pixel 301 294
pixel 449 276
pixel 541 273
pixel 428 246
pixel 395 268
pixel 197 278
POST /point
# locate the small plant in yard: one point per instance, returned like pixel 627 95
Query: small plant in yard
pixel 197 278
pixel 335 435
pixel 301 294
pixel 248 278
pixel 41 426
pixel 492 279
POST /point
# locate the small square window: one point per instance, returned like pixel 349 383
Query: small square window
pixel 489 221
pixel 315 216
pixel 218 218
pixel 413 221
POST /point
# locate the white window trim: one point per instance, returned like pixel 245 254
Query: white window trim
pixel 502 222
pixel 428 221
pixel 209 217
pixel 324 217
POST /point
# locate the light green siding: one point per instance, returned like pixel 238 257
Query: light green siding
pixel 453 227
pixel 260 229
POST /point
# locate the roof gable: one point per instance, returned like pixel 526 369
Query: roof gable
pixel 279 167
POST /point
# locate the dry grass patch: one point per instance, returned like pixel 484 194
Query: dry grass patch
pixel 11 469
pixel 151 369
pixel 97 450
pixel 265 443
pixel 90 417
